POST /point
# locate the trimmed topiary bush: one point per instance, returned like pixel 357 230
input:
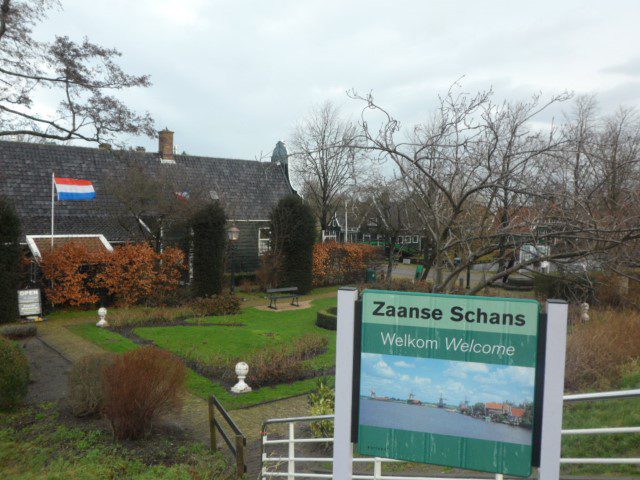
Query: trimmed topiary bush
pixel 9 261
pixel 293 233
pixel 209 244
pixel 14 375
pixel 327 319
pixel 86 393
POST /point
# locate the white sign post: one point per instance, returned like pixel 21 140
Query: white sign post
pixel 551 436
pixel 342 446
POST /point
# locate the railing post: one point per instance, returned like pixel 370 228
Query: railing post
pixel 264 452
pixel 291 470
pixel 377 469
pixel 212 425
pixel 240 455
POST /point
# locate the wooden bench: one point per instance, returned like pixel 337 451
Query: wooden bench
pixel 275 294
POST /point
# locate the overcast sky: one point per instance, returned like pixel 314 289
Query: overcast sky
pixel 233 77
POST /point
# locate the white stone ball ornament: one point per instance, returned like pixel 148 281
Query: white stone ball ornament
pixel 242 370
pixel 584 312
pixel 102 315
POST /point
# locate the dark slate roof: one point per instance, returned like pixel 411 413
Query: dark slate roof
pixel 247 189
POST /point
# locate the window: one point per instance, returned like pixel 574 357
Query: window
pixel 400 240
pixel 407 239
pixel 366 238
pixel 416 239
pixel 264 238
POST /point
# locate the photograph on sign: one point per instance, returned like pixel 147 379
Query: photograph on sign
pixel 448 380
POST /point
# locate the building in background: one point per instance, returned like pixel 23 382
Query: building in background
pixel 248 191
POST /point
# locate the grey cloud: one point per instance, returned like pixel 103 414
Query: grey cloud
pixel 232 78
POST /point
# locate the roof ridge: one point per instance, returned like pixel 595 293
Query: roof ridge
pixel 126 151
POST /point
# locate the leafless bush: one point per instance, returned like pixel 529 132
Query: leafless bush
pixel 86 394
pixel 139 386
pixel 598 350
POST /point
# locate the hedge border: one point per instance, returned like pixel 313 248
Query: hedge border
pixel 327 318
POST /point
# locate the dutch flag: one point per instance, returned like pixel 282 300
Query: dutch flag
pixel 72 189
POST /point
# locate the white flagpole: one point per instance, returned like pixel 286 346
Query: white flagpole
pixel 53 189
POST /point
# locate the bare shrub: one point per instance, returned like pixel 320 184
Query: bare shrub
pixel 135 317
pixel 86 394
pixel 401 285
pixel 272 365
pixel 216 305
pixel 139 386
pixel 268 275
pixel 597 351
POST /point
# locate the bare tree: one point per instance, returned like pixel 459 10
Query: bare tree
pixel 81 76
pixel 388 214
pixel 483 183
pixel 154 203
pixel 325 159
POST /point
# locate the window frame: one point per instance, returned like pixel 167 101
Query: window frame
pixel 261 241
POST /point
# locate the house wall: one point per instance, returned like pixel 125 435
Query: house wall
pixel 246 256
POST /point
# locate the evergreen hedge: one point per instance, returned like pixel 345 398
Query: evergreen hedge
pixel 209 244
pixel 327 319
pixel 293 233
pixel 9 261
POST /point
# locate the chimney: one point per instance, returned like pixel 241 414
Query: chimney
pixel 165 145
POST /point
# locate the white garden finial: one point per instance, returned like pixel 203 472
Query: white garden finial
pixel 102 315
pixel 242 369
pixel 584 312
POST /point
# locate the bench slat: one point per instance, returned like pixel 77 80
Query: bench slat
pixel 286 289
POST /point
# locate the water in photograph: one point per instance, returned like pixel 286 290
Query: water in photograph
pixel 428 419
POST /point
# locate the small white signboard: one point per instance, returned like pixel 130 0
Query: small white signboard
pixel 29 302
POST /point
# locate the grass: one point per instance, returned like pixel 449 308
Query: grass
pixel 259 329
pixel 608 413
pixel 36 445
pixel 105 339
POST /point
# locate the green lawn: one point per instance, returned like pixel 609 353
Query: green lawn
pixel 35 445
pixel 260 328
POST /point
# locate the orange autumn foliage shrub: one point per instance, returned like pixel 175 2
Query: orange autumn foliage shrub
pixel 130 273
pixel 136 271
pixel 69 269
pixel 335 263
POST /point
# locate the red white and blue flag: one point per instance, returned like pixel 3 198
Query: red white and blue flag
pixel 73 189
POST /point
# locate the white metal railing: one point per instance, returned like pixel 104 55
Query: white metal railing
pixel 291 460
